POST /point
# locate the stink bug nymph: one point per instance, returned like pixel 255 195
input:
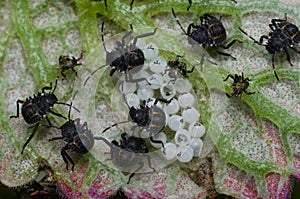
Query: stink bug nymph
pixel 67 62
pixel 209 33
pixel 288 28
pixel 129 154
pixel 284 35
pixel 36 107
pixel 178 69
pixel 125 58
pixel 79 139
pixel 239 85
pixel 152 119
pixel 42 187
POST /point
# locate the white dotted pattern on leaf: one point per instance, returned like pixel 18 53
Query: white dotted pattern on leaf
pixel 72 40
pixel 54 16
pixel 15 64
pixel 35 3
pixel 283 93
pixel 229 112
pixel 19 93
pixel 52 48
pixel 250 144
pixel 294 140
pixel 4 17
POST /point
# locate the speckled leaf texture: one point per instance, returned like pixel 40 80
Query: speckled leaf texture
pixel 252 144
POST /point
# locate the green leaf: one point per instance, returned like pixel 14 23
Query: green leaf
pixel 258 134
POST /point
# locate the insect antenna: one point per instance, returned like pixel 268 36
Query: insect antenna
pixel 255 41
pixel 115 124
pixel 190 4
pixel 87 79
pixel 178 22
pixel 102 37
pixel 122 122
pixel 70 105
pixel 104 140
pixel 103 43
pixel 54 86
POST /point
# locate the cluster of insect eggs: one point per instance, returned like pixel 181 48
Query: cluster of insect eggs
pixel 182 116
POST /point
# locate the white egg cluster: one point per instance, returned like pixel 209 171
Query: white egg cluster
pixel 182 116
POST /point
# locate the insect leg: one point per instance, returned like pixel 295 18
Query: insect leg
pixel 288 56
pixel 104 140
pixel 261 39
pixel 206 17
pixel 18 111
pixel 57 114
pixel 129 78
pixel 230 44
pixel 30 137
pixel 161 100
pixel 139 168
pixel 55 138
pixel 190 71
pixel 179 56
pixel 224 54
pixel 55 85
pixel 248 93
pixel 274 21
pixel 47 88
pixel 157 141
pixel 149 162
pixel 275 73
pixel 62 72
pixel 231 76
pixel 131 4
pixel 189 29
pixel 66 157
pixel 143 35
pixel 128 33
pixel 75 70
